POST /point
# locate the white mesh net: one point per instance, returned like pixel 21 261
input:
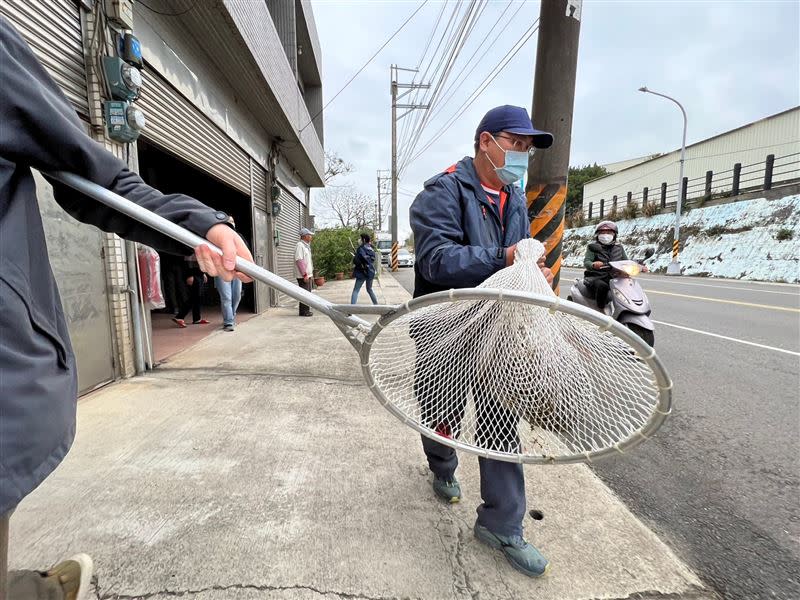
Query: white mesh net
pixel 514 380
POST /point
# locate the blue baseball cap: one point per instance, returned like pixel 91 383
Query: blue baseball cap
pixel 513 119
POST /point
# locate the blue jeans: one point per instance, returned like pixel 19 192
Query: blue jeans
pixel 357 289
pixel 230 293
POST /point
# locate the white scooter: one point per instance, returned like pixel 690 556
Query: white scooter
pixel 627 302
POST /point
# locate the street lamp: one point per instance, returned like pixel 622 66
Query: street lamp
pixel 674 267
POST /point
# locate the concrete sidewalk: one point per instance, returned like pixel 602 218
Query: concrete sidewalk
pixel 257 465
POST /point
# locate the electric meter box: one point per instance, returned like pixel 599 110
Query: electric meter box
pixel 121 12
pixel 124 121
pixel 124 80
pixel 131 49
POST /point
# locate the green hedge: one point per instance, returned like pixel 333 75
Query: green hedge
pixel 333 249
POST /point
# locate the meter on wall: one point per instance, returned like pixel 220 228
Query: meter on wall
pixel 124 80
pixel 124 121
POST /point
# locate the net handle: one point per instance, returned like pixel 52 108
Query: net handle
pixel 553 304
pixel 178 233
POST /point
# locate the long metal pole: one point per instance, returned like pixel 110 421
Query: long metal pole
pixel 674 268
pixel 394 170
pixel 553 100
pixel 176 232
pixel 379 224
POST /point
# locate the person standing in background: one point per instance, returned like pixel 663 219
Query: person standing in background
pixel 304 266
pixel 230 294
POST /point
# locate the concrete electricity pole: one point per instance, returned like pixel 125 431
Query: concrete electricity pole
pixel 553 99
pixel 382 178
pixel 409 87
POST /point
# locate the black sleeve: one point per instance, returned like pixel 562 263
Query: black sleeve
pixel 40 129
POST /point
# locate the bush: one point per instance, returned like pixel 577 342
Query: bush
pixel 576 219
pixel 630 211
pixel 784 233
pixel 650 209
pixel 333 250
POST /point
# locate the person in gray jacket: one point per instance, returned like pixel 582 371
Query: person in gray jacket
pixel 39 129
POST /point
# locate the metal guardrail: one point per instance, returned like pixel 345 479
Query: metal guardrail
pixel 771 172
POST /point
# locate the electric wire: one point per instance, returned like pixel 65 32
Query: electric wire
pixel 166 14
pixel 443 70
pixel 409 126
pixel 468 26
pixel 480 89
pixel 366 64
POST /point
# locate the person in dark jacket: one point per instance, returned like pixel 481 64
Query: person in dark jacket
pixel 39 129
pixel 466 223
pixel 364 269
pixel 598 254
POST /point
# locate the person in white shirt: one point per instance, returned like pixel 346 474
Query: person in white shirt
pixel 304 266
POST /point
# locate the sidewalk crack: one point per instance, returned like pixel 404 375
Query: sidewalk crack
pixel 244 586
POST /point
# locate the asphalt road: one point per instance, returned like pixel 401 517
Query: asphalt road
pixel 720 482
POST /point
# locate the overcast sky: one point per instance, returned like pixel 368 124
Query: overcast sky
pixel 729 63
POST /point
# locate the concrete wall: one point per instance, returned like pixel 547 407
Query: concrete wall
pixel 735 240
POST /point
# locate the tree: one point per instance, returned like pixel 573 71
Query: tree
pixel 335 166
pixel 347 207
pixel 410 241
pixel 578 176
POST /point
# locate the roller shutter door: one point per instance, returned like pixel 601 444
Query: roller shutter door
pixel 176 125
pixel 288 224
pixel 52 28
pixel 261 234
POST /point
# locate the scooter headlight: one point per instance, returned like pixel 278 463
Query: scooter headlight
pixel 632 270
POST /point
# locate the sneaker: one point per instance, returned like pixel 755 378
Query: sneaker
pixel 522 555
pixel 74 575
pixel 200 322
pixel 227 327
pixel 447 489
pixel 179 322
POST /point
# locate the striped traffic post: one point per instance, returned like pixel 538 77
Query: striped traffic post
pixel 395 247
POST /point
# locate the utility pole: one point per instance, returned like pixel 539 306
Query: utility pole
pixel 383 178
pixel 553 100
pixel 409 87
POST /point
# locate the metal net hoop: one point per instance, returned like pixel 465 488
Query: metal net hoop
pixel 511 372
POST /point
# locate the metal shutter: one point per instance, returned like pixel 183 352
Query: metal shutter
pixel 52 28
pixel 262 238
pixel 175 124
pixel 288 224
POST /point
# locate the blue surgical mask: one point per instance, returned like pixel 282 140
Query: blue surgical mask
pixel 514 168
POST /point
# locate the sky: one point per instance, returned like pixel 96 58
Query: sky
pixel 728 62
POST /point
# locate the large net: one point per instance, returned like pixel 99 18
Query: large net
pixel 510 372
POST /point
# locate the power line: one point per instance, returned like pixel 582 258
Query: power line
pixel 166 14
pixel 462 80
pixel 445 67
pixel 480 89
pixel 366 64
pixel 410 126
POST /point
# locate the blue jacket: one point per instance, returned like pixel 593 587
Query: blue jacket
pixel 364 262
pixel 38 376
pixel 459 238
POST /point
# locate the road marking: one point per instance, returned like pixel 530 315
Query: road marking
pixel 733 286
pixel 707 299
pixel 730 339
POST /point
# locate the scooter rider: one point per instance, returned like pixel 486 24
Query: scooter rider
pixel 599 253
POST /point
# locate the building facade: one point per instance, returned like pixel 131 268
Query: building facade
pixel 748 146
pixel 230 91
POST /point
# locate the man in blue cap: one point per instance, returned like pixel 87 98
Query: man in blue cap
pixel 466 223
